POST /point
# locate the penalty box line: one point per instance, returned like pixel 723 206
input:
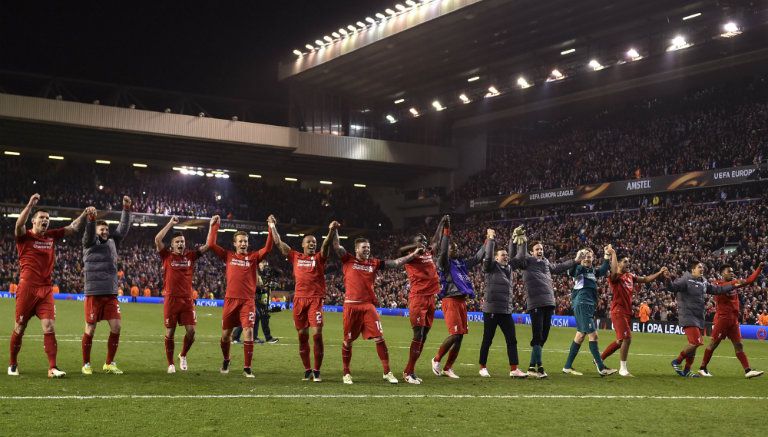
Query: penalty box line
pixel 382 396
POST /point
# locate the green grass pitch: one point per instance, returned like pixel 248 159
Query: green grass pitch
pixel 147 401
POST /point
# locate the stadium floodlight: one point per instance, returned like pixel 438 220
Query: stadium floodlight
pixel 390 11
pixel 139 165
pixel 689 17
pixel 254 176
pixel 319 43
pixel 309 47
pixel 731 29
pixel 410 2
pixel 11 153
pixel 391 119
pixel 399 101
pixel 328 38
pixel 567 52
pixel 492 91
pixel 464 99
pixel 414 112
pixel 361 25
pixel 522 83
pixel 103 161
pixel 343 31
pixel 400 7
pixel 473 78
pixel 633 55
pixel 352 28
pixel 370 20
pixel 297 52
pixel 678 43
pixel 225 176
pixel 210 175
pixel 288 179
pixel 380 16
pixel 199 173
pixel 335 35
pixel 436 104
pixel 555 75
pixel 360 185
pixel 326 182
pixel 595 65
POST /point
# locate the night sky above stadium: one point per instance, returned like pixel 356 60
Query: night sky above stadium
pixel 220 48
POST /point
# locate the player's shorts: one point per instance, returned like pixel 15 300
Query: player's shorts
pixel 179 311
pixel 725 328
pixel 34 301
pixel 307 311
pixel 455 314
pixel 98 308
pixel 622 325
pixel 421 309
pixel 694 335
pixel 585 317
pixel 361 318
pixel 238 312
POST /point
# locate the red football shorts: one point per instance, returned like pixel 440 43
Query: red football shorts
pixel 694 335
pixel 361 318
pixel 621 324
pixel 725 328
pixel 421 309
pixel 238 312
pixel 98 308
pixel 307 311
pixel 455 314
pixel 179 311
pixel 34 301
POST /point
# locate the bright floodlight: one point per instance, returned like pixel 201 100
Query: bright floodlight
pixel 567 52
pixel 555 75
pixel 297 52
pixel 360 24
pixel 464 99
pixel 688 17
pixel 414 112
pixel 320 43
pixel 400 7
pixel 390 11
pixel 309 47
pixel 399 101
pixel 522 83
pixel 437 105
pixel 370 20
pixel 360 185
pixel 410 2
pixel 352 28
pixel 633 54
pixel 731 29
pixel 593 64
pixel 493 91
pixel 678 43
pixel 328 38
pixel 343 31
pixel 473 78
pixel 391 119
pixel 380 16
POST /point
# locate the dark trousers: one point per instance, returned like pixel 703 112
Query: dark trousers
pixel 507 325
pixel 541 321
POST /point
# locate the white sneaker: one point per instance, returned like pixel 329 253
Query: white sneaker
pixel 347 379
pixel 436 367
pixel 705 372
pixel 412 379
pixel 389 377
pixel 748 375
pixel 607 371
pixel 13 370
pixel 248 373
pixel 172 369
pixel 56 373
pixel 571 371
pixel 484 372
pixel 517 373
pixel 626 373
pixel 182 363
pixel 449 373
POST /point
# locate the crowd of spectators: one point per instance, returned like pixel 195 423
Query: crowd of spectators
pixel 78 183
pixel 716 127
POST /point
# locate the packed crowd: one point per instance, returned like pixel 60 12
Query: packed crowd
pixel 165 192
pixel 670 234
pixel 710 128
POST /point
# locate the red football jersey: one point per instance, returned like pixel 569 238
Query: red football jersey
pixel 727 305
pixel 36 256
pixel 242 270
pixel 422 274
pixel 359 277
pixel 309 273
pixel 178 271
pixel 622 289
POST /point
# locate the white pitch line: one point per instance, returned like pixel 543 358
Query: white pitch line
pixel 383 396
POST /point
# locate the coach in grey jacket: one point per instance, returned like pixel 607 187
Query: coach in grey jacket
pixel 691 290
pixel 100 268
pixel 498 304
pixel 539 294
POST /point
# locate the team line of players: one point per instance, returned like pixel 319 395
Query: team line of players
pixel 434 269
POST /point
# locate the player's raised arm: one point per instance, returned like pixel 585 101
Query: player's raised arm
pixel 21 222
pixel 605 268
pixel 334 232
pixel 77 224
pixel 325 248
pixel 445 243
pixel 615 273
pixel 212 236
pixel 282 246
pixel 489 250
pixel 650 278
pixel 272 237
pixel 205 247
pixel 125 221
pixel 395 263
pixel 434 243
pixel 89 236
pixel 159 245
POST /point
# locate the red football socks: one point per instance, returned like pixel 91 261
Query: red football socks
pixel 188 341
pixel 15 348
pixel 346 356
pixel 87 342
pixel 169 350
pixel 381 349
pixel 304 350
pixel 613 347
pixel 51 348
pixel 225 349
pixel 112 343
pixel 452 355
pixel 247 354
pixel 413 356
pixel 743 359
pixel 707 357
pixel 319 350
